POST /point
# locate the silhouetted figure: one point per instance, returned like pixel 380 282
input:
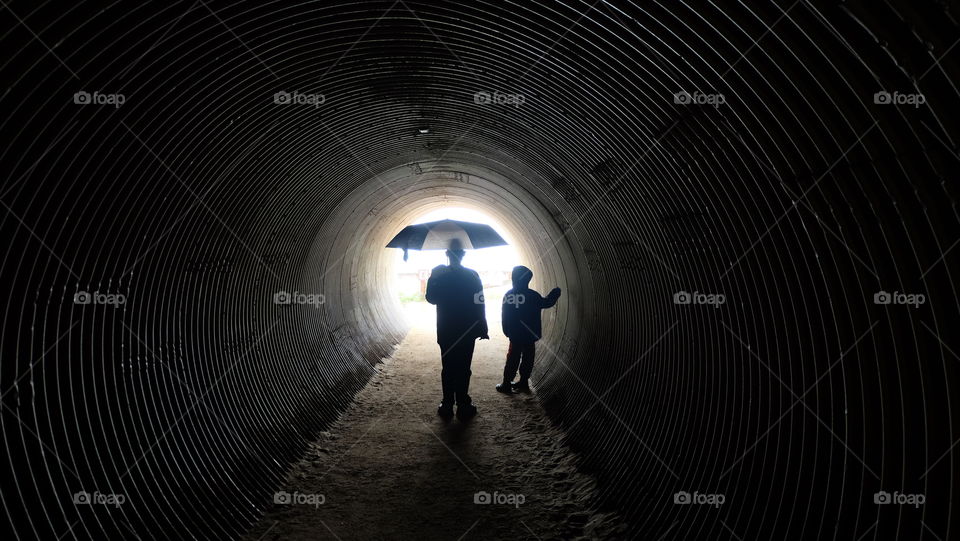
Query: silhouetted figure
pixel 458 293
pixel 521 324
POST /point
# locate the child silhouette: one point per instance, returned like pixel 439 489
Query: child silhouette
pixel 521 324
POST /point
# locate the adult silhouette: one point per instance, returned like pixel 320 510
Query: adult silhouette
pixel 461 318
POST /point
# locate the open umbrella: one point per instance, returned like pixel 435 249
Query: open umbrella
pixel 437 236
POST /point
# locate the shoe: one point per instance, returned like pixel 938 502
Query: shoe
pixel 505 387
pixel 445 411
pixel 520 387
pixel 465 412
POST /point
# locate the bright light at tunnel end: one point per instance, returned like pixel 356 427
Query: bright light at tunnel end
pixel 493 264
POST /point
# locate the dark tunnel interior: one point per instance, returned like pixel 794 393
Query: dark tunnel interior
pixel 797 160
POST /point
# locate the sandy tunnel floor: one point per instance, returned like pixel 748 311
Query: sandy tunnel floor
pixel 389 468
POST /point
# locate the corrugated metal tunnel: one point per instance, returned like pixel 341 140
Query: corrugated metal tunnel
pixel 181 163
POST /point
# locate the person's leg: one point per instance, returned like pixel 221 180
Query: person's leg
pixel 447 374
pixel 526 364
pixel 513 361
pixel 465 358
pixel 462 358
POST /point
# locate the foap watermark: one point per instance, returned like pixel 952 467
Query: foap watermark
pixel 897 297
pixel 98 98
pixel 898 498
pixel 296 98
pixel 713 299
pixel 483 97
pixel 109 299
pixel 500 498
pixel 98 498
pixel 285 297
pixel 685 498
pixel 514 299
pixel 298 498
pixel 883 97
pixel 699 98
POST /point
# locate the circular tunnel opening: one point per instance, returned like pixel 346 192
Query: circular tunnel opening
pixel 359 276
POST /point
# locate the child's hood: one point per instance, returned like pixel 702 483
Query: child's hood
pixel 521 277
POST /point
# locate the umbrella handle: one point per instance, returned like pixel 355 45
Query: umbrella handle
pixel 404 253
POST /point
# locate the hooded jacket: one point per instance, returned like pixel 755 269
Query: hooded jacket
pixel 521 308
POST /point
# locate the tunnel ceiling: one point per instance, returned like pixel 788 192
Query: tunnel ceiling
pixel 798 159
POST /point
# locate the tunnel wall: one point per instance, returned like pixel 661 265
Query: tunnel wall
pixel 201 197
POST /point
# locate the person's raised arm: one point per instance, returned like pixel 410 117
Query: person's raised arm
pixel 551 298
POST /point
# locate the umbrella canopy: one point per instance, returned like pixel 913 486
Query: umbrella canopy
pixel 437 236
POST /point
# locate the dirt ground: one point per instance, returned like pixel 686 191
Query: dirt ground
pixel 390 468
